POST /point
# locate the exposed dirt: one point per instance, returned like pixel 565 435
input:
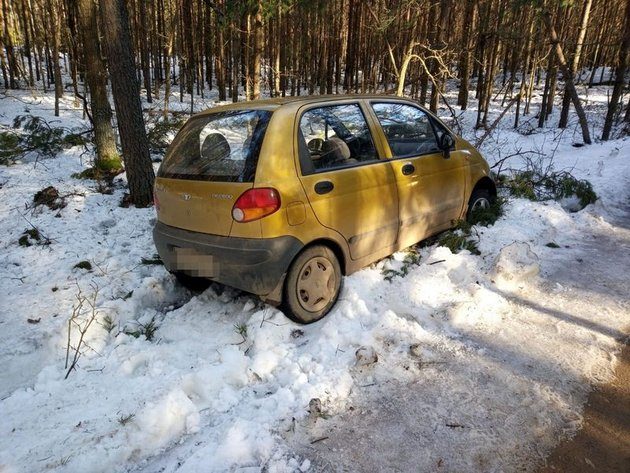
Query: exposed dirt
pixel 603 444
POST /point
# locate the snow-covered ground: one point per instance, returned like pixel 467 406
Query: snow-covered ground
pixel 484 362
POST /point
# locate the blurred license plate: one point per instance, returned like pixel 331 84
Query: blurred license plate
pixel 194 263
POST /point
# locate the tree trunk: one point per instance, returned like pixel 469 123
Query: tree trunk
pixel 107 158
pixel 126 91
pixel 144 50
pixel 619 76
pixel 56 41
pixel 566 99
pixel 568 77
pixel 464 69
pixel 258 50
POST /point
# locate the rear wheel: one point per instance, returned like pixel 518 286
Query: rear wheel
pixel 313 284
pixel 479 200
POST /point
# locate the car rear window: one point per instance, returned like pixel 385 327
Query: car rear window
pixel 217 147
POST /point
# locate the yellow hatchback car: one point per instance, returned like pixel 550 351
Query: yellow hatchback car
pixel 283 197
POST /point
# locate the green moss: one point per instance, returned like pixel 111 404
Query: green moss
pixel 98 173
pixel 109 165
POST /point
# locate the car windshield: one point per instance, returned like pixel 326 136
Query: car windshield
pixel 217 147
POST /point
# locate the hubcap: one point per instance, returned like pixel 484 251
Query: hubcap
pixel 481 203
pixel 316 284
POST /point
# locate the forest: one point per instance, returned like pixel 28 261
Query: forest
pixel 243 50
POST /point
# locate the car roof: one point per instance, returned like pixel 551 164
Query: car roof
pixel 277 102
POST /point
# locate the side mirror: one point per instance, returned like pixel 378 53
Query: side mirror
pixel 446 143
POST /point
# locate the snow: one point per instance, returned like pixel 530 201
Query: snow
pixel 479 363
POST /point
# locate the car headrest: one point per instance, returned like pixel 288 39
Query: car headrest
pixel 337 147
pixel 215 146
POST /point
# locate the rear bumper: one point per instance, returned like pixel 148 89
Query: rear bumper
pixel 253 265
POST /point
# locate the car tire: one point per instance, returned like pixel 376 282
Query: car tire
pixel 312 285
pixel 192 283
pixel 480 198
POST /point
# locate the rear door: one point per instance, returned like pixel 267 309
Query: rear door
pixel 210 163
pixel 430 187
pixel 350 189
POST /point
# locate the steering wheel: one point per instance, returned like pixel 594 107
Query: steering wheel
pixel 315 145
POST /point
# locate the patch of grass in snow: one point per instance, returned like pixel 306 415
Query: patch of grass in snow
pixel 155 260
pixel 108 323
pixel 241 329
pixel 31 237
pixel 125 419
pixel 147 330
pixel 83 265
pixel 24 241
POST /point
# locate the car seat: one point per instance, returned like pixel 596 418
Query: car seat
pixel 335 152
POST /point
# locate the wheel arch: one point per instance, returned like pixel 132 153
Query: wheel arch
pixel 333 246
pixel 485 183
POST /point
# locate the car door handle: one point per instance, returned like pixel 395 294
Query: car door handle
pixel 408 169
pixel 324 187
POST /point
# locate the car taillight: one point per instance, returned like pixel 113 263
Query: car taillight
pixel 255 203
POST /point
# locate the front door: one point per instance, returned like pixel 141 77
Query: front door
pixel 430 187
pixel 349 188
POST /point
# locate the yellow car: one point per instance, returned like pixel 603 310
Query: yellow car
pixel 282 197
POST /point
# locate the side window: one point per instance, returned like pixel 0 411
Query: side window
pixel 439 129
pixel 407 128
pixel 335 136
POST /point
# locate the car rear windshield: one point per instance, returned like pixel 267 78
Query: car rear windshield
pixel 217 147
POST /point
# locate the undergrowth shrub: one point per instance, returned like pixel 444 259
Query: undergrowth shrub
pixel 460 238
pixel 537 186
pixel 162 132
pixel 487 217
pixel 463 236
pixel 32 134
pixel 412 258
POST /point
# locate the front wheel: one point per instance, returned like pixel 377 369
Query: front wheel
pixel 312 285
pixel 480 200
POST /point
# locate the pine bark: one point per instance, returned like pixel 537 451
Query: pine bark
pixel 566 99
pixel 56 42
pixel 620 73
pixel 567 76
pixel 126 91
pixel 257 51
pixel 107 158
